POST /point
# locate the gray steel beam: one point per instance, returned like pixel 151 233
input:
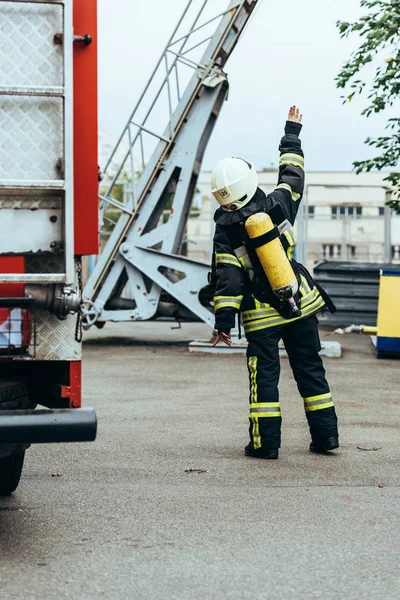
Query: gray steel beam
pixel 171 172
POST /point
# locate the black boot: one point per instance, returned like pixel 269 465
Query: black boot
pixel 321 447
pixel 269 453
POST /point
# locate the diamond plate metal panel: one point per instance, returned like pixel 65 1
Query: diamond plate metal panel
pixel 28 55
pixel 32 203
pixel 38 263
pixel 31 138
pixel 55 339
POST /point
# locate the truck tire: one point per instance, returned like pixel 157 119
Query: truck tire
pixel 13 396
pixel 10 472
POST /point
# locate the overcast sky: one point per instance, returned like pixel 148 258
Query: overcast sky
pixel 289 54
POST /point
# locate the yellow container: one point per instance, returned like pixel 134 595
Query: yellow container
pixel 272 256
pixel 388 338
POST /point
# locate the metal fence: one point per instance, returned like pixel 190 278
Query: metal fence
pixel 354 288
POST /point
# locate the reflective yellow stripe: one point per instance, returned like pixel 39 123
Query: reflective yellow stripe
pixel 246 263
pixel 250 315
pixel 318 406
pixel 253 379
pixel 220 305
pixel 264 324
pixel 271 322
pixel 259 304
pixel 305 284
pixel 319 397
pixel 286 186
pixel 227 302
pixel 271 313
pixel 226 259
pixel 309 299
pixel 289 234
pixel 316 303
pixel 294 163
pixel 252 362
pixel 289 238
pixel 256 435
pixel 309 291
pixel 265 409
pixel 293 158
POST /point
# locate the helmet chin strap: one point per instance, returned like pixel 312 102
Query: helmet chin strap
pixel 235 206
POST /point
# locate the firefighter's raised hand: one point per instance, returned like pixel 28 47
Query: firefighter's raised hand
pixel 294 115
pixel 223 337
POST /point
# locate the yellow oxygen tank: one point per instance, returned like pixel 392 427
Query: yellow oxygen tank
pixel 274 261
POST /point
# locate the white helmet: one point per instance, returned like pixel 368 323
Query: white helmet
pixel 233 183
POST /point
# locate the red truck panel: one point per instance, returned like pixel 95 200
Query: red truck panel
pixel 75 377
pixel 12 264
pixel 85 130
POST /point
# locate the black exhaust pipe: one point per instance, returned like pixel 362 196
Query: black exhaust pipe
pixel 48 426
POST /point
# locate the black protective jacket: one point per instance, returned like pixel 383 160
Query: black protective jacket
pixel 239 282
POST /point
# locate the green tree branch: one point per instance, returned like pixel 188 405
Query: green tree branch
pixel 379 30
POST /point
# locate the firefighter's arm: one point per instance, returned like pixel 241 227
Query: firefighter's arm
pixel 290 186
pixel 228 292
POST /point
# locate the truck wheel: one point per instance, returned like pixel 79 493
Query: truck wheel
pixel 13 396
pixel 10 472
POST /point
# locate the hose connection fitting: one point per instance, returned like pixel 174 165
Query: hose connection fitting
pixel 57 299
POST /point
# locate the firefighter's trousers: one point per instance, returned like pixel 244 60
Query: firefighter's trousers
pixel 302 344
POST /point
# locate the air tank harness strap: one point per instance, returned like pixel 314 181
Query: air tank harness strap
pixel 212 275
pixel 265 238
pixel 259 285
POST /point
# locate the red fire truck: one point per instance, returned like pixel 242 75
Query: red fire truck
pixel 49 220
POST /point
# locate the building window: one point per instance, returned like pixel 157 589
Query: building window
pixel 335 251
pixel 395 211
pixel 338 212
pixel 396 252
pixel 352 250
pixel 311 212
pixel 331 250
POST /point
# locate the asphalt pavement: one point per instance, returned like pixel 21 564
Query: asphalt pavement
pixel 165 506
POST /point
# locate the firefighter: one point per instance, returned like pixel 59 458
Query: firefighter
pixel 243 287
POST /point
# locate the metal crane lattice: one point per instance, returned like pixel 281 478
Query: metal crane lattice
pixel 158 166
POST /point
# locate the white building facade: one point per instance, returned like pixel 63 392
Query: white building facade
pixel 342 217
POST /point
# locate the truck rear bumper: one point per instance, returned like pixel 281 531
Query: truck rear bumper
pixel 47 426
